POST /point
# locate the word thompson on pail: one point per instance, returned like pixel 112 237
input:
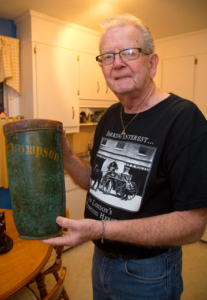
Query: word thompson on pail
pixel 37 151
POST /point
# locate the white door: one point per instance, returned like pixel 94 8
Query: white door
pixel 57 85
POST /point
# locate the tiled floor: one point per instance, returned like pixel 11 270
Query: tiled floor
pixel 78 280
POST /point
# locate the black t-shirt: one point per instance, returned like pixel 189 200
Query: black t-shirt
pixel 158 166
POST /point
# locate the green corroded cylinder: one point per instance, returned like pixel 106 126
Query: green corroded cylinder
pixel 36 176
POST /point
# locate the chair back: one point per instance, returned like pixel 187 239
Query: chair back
pixel 55 293
pixel 53 266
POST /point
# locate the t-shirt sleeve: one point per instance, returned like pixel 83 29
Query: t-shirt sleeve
pixel 187 175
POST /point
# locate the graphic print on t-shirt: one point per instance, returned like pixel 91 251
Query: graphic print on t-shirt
pixel 119 176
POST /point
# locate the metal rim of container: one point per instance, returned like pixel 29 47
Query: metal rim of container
pixel 32 124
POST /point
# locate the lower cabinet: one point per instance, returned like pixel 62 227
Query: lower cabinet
pixel 75 199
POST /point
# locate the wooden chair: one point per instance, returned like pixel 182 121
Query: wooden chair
pixel 54 269
pixel 56 293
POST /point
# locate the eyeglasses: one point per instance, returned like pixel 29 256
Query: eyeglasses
pixel 125 55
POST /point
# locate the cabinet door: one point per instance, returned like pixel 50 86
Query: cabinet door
pixel 92 84
pixel 178 76
pixel 89 85
pixel 105 91
pixel 57 85
pixel 201 83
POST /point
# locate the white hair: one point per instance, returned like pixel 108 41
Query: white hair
pixel 146 41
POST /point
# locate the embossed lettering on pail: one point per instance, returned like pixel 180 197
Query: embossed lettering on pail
pixel 36 176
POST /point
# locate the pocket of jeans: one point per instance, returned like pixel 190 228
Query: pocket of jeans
pixel 146 270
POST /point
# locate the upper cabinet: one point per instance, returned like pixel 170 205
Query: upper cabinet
pixel 57 85
pixel 182 67
pixel 49 72
pixel 185 77
pixel 200 90
pixel 178 76
pixel 93 90
pixel 48 87
pixel 50 69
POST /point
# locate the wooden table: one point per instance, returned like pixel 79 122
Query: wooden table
pixel 23 262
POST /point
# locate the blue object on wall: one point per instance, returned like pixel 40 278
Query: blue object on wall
pixel 7 28
pixel 5 200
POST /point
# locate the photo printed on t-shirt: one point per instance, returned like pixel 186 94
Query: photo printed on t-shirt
pixel 119 176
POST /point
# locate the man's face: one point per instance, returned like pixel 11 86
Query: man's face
pixel 125 77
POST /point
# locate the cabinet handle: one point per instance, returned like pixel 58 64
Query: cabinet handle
pixel 73 110
pixel 107 89
pixel 98 87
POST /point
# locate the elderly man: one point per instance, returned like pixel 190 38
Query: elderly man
pixel 155 198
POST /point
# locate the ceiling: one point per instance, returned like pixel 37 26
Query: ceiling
pixel 164 17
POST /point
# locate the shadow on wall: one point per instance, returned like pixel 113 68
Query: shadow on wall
pixel 5 200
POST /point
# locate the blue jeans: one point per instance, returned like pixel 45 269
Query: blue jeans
pixel 155 278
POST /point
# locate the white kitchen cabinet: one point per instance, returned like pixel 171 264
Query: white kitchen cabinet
pixel 185 76
pixel 57 85
pixel 178 76
pixel 200 91
pixel 75 199
pixel 49 76
pixel 93 90
pixel 183 62
pixel 49 66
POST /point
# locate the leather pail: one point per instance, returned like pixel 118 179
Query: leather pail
pixel 36 176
